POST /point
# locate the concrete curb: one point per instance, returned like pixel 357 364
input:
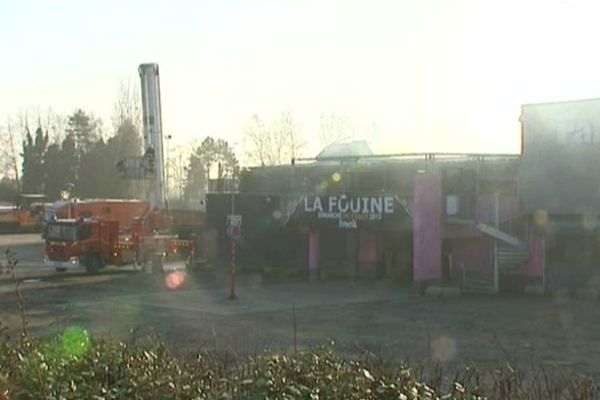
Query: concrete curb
pixel 536 290
pixel 451 291
pixel 433 291
pixel 439 291
pixel 587 294
pixel 582 293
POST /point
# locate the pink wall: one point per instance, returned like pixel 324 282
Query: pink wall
pixel 535 265
pixel 473 253
pixel 427 228
pixel 509 207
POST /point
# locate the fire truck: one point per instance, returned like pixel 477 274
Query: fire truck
pixel 139 232
pixel 97 242
pixel 124 211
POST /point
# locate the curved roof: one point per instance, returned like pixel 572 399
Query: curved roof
pixel 345 149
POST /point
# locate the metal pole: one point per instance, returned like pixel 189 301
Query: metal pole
pixel 232 295
pixel 168 187
pixel 543 263
pixel 497 223
pixel 181 177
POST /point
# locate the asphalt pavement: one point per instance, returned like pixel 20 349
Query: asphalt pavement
pixel 27 250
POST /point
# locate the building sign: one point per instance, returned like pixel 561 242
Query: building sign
pixel 349 210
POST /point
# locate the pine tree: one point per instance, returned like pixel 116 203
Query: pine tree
pixel 34 151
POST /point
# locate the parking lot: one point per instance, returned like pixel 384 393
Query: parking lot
pixel 193 310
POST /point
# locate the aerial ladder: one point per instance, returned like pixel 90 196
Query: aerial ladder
pixel 153 135
pixel 99 241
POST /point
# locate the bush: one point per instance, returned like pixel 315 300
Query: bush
pixel 75 366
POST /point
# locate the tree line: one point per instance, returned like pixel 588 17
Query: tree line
pixel 78 155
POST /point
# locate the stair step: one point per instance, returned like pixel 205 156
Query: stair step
pixel 501 236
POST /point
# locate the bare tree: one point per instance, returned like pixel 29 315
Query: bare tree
pixel 334 128
pixel 177 163
pixel 288 140
pixel 127 139
pixel 275 144
pixel 127 110
pixel 257 141
pixel 12 136
pixel 9 161
pixel 52 124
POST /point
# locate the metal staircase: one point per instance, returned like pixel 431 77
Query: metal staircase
pixel 511 258
pixel 511 253
pixel 500 235
pixel 477 282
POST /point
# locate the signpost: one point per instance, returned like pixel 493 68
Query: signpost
pixel 234 231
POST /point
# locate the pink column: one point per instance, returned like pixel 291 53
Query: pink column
pixel 313 255
pixel 427 228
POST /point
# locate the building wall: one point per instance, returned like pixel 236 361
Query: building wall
pixel 427 228
pixel 535 265
pixel 509 207
pixel 560 162
pixel 472 254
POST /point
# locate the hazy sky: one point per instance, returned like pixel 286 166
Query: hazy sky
pixel 411 75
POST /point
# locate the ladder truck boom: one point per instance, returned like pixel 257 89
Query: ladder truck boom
pixel 99 240
pixel 153 135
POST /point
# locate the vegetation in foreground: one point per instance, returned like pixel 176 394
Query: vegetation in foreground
pixel 75 366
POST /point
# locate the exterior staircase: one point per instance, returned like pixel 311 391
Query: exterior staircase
pixel 477 282
pixel 511 253
pixel 511 258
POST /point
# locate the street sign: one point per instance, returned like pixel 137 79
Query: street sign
pixel 234 232
pixel 234 220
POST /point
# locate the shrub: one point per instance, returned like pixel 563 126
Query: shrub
pixel 75 366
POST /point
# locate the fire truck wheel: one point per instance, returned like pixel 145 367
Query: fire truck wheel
pixel 93 264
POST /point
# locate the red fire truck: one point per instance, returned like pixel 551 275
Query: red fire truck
pixel 96 242
pixel 97 237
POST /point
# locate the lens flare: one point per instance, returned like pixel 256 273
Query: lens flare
pixel 336 177
pixel 76 341
pixel 175 280
pixel 322 187
pixel 443 348
pixel 276 214
pixel 588 221
pixel 540 217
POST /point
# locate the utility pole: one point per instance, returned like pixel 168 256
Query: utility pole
pixel 168 186
pixel 495 242
pixel 232 295
pixel 181 177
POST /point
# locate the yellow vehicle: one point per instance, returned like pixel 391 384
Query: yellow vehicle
pixel 24 216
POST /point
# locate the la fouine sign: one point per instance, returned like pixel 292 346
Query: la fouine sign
pixel 349 210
